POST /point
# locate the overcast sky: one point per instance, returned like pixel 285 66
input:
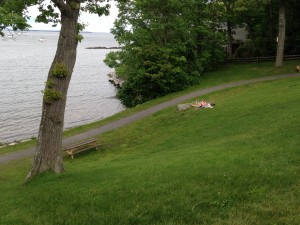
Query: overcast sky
pixel 95 23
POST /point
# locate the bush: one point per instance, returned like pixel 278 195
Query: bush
pixel 158 73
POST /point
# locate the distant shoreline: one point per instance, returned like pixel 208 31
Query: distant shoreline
pixel 34 51
pixel 56 31
pixel 100 47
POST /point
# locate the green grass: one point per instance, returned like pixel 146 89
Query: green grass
pixel 235 164
pixel 17 147
pixel 235 72
pixel 227 73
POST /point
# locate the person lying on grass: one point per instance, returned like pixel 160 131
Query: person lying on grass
pixel 203 104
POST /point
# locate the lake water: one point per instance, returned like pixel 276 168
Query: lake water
pixel 24 65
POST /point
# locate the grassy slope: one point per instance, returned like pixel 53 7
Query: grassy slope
pixel 227 73
pixel 235 164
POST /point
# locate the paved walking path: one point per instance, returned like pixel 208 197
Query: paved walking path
pixel 142 114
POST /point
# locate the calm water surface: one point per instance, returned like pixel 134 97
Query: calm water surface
pixel 24 65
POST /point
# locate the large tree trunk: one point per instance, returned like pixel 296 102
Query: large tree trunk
pixel 281 35
pixel 229 6
pixel 229 39
pixel 48 151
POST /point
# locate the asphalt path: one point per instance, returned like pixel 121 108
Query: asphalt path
pixel 139 115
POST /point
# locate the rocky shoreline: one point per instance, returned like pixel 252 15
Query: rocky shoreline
pixel 115 80
pixel 3 145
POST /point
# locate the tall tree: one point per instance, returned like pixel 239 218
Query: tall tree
pixel 281 34
pixel 230 20
pixel 253 17
pixel 230 24
pixel 166 46
pixel 48 151
pixel 266 21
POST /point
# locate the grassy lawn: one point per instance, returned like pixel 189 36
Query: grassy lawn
pixel 235 164
pixel 227 73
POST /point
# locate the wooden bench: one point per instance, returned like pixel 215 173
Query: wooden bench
pixel 81 147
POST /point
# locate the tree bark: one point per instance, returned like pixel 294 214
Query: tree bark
pixel 229 6
pixel 229 39
pixel 48 155
pixel 281 34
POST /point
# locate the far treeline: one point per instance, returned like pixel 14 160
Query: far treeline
pixel 167 45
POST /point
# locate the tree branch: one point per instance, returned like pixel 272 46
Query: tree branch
pixel 60 4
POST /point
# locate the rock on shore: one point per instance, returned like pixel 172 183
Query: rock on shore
pixel 115 80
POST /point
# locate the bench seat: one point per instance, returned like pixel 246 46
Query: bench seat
pixel 81 147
